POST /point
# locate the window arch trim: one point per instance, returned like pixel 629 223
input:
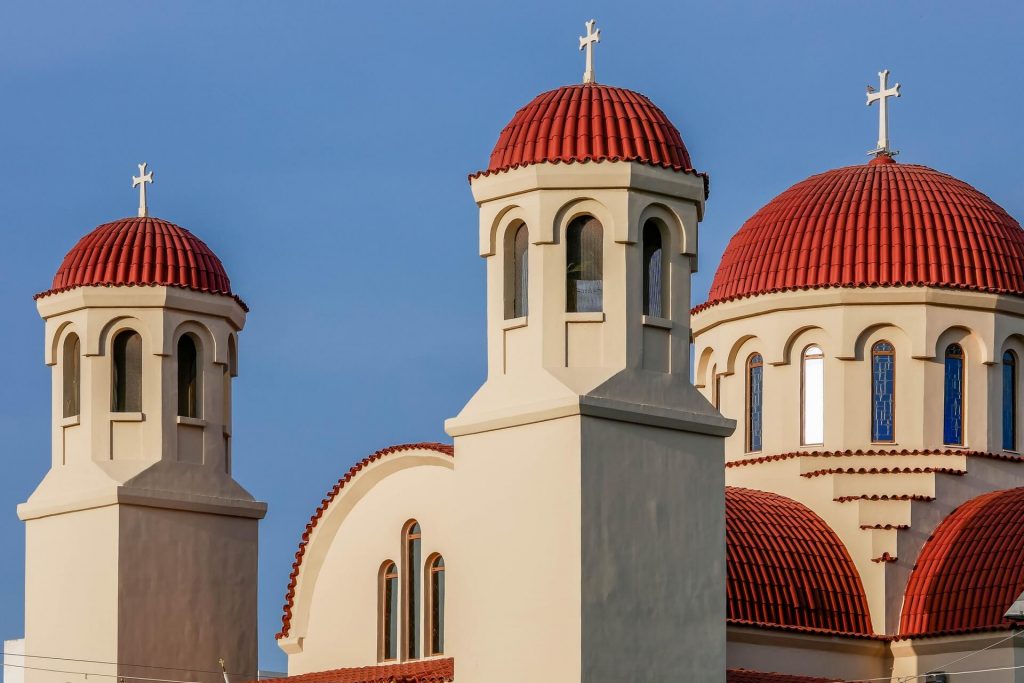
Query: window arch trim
pixel 71 375
pixel 953 384
pixel 754 402
pixel 434 590
pixel 517 270
pixel 388 595
pixel 127 362
pixel 412 588
pixel 883 392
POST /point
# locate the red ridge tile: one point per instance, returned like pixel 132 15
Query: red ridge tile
pixel 748 676
pixel 421 671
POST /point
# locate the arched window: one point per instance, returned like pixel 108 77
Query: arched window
pixel 517 274
pixel 883 392
pixel 584 259
pixel 188 377
pixel 388 607
pixel 126 383
pixel 435 602
pixel 71 367
pixel 755 401
pixel 812 427
pixel 654 296
pixel 1010 401
pixel 953 397
pixel 413 582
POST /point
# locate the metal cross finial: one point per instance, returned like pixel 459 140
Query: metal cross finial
pixel 881 96
pixel 587 42
pixel 140 182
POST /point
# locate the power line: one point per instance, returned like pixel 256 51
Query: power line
pixel 136 666
pixel 93 673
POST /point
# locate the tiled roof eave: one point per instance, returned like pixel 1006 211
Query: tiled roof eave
pixel 808 630
pixel 61 290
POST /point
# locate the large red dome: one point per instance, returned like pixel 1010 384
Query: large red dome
pixel 589 122
pixel 141 251
pixel 876 225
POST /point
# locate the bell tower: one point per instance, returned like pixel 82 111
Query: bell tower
pixel 141 549
pixel 589 469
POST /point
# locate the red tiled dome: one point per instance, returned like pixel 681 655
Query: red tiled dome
pixel 589 122
pixel 971 569
pixel 786 568
pixel 878 224
pixel 141 251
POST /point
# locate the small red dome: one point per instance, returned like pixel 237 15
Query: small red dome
pixel 880 224
pixel 786 568
pixel 141 251
pixel 589 122
pixel 971 569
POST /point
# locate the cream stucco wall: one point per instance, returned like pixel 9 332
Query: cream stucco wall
pixel 140 546
pixel 334 620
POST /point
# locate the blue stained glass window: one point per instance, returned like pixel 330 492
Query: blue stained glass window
pixel 1010 401
pixel 883 392
pixel 953 397
pixel 755 401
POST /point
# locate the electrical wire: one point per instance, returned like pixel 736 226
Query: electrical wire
pixel 93 673
pixel 136 666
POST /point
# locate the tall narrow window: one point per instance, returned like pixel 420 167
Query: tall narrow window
pixel 654 296
pixel 126 383
pixel 813 398
pixel 71 366
pixel 1010 401
pixel 755 401
pixel 388 600
pixel 188 377
pixel 435 600
pixel 883 392
pixel 517 276
pixel 584 261
pixel 413 583
pixel 953 397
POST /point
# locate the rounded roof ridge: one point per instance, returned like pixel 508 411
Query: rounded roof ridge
pixel 141 251
pixel 589 122
pixel 970 570
pixel 314 520
pixel 879 224
pixel 786 568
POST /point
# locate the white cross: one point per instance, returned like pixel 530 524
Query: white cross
pixel 140 182
pixel 587 42
pixel 883 94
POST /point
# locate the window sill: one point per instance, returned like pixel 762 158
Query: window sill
pixel 595 317
pixel 651 321
pixel 127 417
pixel 191 421
pixel 514 323
pixel 71 421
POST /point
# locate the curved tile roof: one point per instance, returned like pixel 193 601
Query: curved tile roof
pixel 422 671
pixel 971 569
pixel 786 568
pixel 589 122
pixel 141 251
pixel 293 578
pixel 879 224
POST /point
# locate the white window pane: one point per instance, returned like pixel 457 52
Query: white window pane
pixel 814 400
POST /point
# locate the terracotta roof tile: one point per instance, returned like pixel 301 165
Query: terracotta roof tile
pixel 971 569
pixel 590 123
pixel 748 676
pixel 786 567
pixel 879 224
pixel 760 460
pixel 141 252
pixel 293 578
pixel 422 671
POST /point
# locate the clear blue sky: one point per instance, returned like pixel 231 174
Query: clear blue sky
pixel 321 149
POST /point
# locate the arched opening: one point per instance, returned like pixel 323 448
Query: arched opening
pixel 126 383
pixel 189 390
pixel 413 597
pixel 584 265
pixel 755 402
pixel 517 274
pixel 435 604
pixel 387 601
pixel 812 399
pixel 883 392
pixel 654 266
pixel 953 397
pixel 1010 401
pixel 71 367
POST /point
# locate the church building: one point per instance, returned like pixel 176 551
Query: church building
pixel 813 476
